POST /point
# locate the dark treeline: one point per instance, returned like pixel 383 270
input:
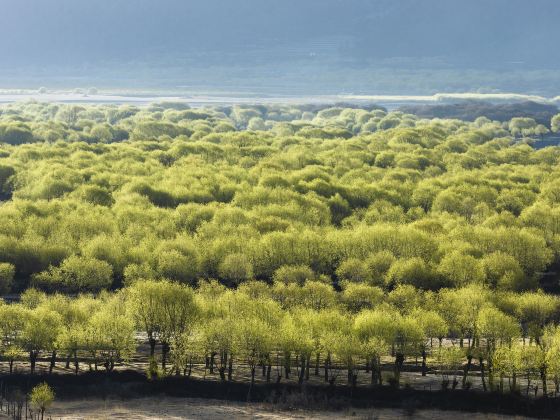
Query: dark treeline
pixel 130 384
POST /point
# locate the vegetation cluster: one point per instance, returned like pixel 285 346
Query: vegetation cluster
pixel 96 197
pixel 293 237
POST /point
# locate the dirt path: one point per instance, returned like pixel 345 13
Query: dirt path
pixel 190 408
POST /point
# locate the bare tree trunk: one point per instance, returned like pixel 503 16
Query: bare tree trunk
pixel 53 361
pixel 33 360
pixel 152 346
pixel 164 352
pixel 424 367
pixel 76 363
pixel 230 368
pixel 223 364
pixel 482 374
pixel 302 371
pixel 399 361
pixel 252 383
pixel 212 358
pixel 268 370
pixel 327 366
pixel 544 384
pixel 466 370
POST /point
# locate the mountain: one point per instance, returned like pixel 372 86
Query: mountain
pixel 143 40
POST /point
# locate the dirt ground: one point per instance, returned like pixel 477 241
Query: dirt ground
pixel 190 408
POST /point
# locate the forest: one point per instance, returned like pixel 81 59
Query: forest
pixel 335 244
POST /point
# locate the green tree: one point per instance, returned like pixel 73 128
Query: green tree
pixel 459 270
pixel 353 270
pixel 7 272
pixel 412 271
pixel 503 272
pixel 12 322
pixel 298 274
pixel 433 326
pixel 376 331
pixel 555 123
pixel 41 397
pixel 77 274
pixel 253 342
pixel 145 301
pixel 177 315
pixel 41 329
pixel 109 337
pixel 236 268
pixel 357 297
pixel 495 328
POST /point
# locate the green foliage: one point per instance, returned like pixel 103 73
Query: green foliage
pixel 7 272
pixel 236 268
pixel 555 123
pixel 412 271
pixel 41 397
pixel 76 274
pixel 340 234
pixel 298 274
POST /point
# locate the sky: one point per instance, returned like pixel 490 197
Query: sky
pixel 141 40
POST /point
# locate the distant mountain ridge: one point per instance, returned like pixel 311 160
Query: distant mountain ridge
pixel 498 30
pixel 141 38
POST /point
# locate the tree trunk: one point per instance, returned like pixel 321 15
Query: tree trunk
pixel 268 370
pixel 222 368
pixel 33 359
pixel 317 359
pixel 501 383
pixel 544 384
pixel 53 361
pixel 490 369
pixel 482 374
pixel 76 363
pixel 399 361
pixel 302 371
pixel 230 368
pixel 352 377
pixel 164 352
pixel 466 370
pixel 373 372
pixel 212 357
pixel 327 365
pixel 152 346
pixel 424 367
pixel 252 383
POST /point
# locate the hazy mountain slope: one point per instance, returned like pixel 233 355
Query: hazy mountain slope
pixel 84 35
